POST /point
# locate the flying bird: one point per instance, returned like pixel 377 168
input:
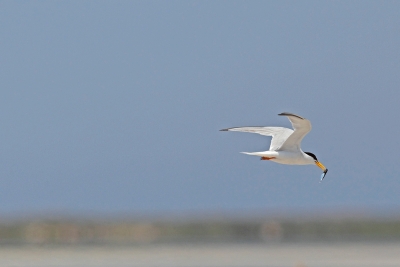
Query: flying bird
pixel 285 144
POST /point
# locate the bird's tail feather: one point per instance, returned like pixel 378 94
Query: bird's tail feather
pixel 252 153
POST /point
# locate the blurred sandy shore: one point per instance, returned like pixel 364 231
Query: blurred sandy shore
pixel 384 254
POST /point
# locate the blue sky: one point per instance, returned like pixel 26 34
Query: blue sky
pixel 115 106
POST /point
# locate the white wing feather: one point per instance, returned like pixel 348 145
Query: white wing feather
pixel 279 134
pixel 301 127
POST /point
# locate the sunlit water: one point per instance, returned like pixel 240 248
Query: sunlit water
pixel 226 255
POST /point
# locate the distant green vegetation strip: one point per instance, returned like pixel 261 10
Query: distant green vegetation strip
pixel 67 232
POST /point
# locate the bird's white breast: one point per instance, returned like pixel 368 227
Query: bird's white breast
pixel 293 158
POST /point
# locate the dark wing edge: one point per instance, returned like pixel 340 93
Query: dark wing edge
pixel 290 114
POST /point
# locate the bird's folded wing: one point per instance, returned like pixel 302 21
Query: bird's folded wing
pixel 301 127
pixel 279 134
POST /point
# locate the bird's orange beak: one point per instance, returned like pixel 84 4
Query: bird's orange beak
pixel 319 164
pixel 325 170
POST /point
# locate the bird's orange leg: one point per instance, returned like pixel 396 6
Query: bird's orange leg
pixel 267 158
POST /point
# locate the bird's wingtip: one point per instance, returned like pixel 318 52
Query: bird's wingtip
pixel 224 130
pixel 290 114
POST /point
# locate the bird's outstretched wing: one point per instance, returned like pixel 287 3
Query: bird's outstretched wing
pixel 279 134
pixel 301 127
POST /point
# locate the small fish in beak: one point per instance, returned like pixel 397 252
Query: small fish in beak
pixel 322 167
pixel 323 174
